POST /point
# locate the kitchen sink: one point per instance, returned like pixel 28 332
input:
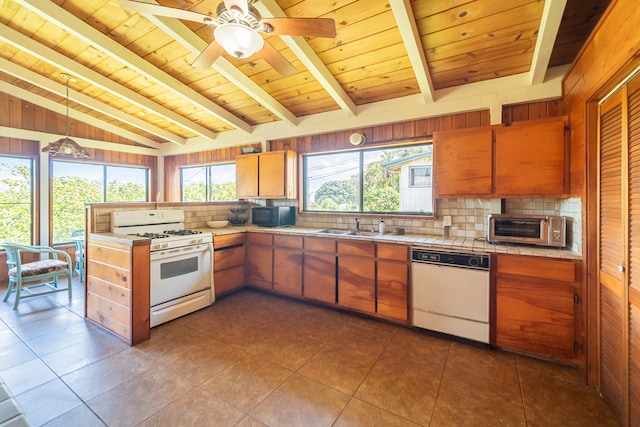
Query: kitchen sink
pixel 363 233
pixel 334 231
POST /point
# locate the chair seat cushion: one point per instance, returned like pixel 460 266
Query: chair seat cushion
pixel 39 267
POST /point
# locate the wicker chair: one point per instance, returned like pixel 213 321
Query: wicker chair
pixel 24 278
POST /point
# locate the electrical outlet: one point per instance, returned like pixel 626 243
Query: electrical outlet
pixel 446 221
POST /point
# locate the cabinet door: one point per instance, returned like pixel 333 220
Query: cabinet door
pixel 272 174
pixel 287 260
pixel 260 260
pixel 530 158
pixel 463 162
pixel 319 276
pixel 392 278
pixel 247 176
pixel 356 282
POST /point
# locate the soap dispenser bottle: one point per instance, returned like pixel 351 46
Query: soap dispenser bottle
pixel 381 226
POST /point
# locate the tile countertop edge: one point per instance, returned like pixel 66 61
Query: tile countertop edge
pixel 423 240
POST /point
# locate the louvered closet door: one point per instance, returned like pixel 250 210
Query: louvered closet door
pixel 633 275
pixel 611 276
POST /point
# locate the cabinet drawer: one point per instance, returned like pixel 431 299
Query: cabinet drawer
pixel 393 252
pixel 228 240
pixel 229 257
pixel 260 239
pixel 538 267
pixel 287 241
pixel 320 244
pixel 228 280
pixel 357 248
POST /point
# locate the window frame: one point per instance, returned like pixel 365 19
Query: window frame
pixel 302 197
pixel 34 236
pixel 412 168
pixel 208 180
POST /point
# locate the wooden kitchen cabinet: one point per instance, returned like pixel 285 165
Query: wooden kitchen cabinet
pixel 356 275
pixel 287 264
pixel 392 281
pixel 463 162
pixel 229 263
pixel 319 269
pixel 270 175
pixel 521 159
pixel 530 158
pixel 260 260
pixel 536 306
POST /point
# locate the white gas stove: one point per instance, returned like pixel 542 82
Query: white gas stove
pixel 181 271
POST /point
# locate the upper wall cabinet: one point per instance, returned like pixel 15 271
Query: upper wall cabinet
pixel 522 159
pixel 270 175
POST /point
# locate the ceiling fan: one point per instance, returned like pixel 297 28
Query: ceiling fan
pixel 237 30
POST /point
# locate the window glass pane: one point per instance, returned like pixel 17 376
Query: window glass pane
pixel 209 183
pixel 194 184
pixel 126 184
pixel 74 184
pixel 223 182
pixel 332 182
pixel 16 200
pixel 373 180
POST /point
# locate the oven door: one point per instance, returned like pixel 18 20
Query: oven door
pixel 179 272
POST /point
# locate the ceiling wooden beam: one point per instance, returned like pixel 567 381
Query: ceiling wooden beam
pixel 183 35
pixel 411 38
pixel 310 59
pixel 72 25
pixel 80 98
pixel 549 26
pixel 50 56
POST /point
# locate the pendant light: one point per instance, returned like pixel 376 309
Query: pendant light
pixel 66 147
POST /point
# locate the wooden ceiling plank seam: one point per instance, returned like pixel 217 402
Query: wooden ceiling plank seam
pixel 195 44
pixel 90 35
pixel 549 26
pixel 87 101
pixel 79 71
pixel 301 48
pixel 409 32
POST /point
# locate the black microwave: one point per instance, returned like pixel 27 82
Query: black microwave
pixel 273 216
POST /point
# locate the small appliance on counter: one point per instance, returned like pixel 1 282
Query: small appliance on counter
pixel 540 230
pixel 273 216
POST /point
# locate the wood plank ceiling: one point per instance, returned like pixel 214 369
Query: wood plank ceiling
pixel 134 73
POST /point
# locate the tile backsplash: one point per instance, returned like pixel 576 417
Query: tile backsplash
pixel 468 216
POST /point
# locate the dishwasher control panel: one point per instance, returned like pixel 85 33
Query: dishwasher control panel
pixel 458 259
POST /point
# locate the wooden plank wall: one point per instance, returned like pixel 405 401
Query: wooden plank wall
pixel 531 111
pixel 20 114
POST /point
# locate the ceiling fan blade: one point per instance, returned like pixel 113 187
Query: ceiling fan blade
pixel 209 55
pixel 276 60
pixel 308 27
pixel 170 12
pixel 241 5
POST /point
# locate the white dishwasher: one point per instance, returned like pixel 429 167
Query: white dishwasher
pixel 450 292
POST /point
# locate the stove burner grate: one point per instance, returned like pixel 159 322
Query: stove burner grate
pixel 151 235
pixel 182 232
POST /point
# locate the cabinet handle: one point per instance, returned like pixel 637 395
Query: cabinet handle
pixel 621 269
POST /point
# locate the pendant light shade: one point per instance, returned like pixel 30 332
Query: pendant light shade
pixel 66 147
pixel 238 40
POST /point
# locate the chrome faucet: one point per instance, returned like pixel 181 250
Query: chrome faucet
pixel 357 223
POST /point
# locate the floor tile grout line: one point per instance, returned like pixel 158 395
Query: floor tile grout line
pixel 444 369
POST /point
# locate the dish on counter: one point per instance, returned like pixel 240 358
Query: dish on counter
pixel 218 224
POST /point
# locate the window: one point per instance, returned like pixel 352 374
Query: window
pixel 369 180
pixel 208 183
pixel 419 176
pixel 16 200
pixel 75 184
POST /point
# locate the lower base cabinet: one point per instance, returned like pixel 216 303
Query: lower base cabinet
pixel 319 269
pixel 392 280
pixel 356 276
pixel 536 306
pixel 260 260
pixel 229 263
pixel 287 264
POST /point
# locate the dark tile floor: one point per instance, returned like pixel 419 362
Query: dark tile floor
pixel 253 359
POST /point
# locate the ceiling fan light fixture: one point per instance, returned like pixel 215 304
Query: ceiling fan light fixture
pixel 238 40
